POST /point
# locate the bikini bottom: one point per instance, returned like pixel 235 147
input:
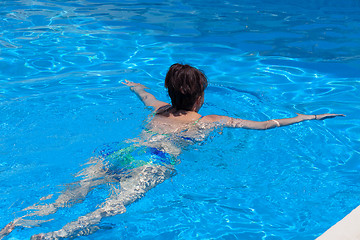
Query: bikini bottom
pixel 120 158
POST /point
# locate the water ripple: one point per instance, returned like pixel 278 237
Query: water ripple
pixel 60 67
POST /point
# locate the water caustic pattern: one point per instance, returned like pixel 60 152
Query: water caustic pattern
pixel 60 98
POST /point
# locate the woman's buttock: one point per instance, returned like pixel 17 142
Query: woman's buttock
pixel 123 158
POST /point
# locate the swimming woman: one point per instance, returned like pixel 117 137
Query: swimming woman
pixel 141 164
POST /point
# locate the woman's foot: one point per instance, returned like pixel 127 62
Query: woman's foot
pixel 7 229
pixel 39 236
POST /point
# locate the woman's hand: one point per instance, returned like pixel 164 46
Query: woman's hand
pixel 327 115
pixel 319 116
pixel 133 85
pixel 147 98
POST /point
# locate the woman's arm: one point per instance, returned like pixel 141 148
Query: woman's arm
pixel 263 125
pixel 147 98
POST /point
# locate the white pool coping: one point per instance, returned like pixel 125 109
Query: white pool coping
pixel 346 229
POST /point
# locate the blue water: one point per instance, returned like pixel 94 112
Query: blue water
pixel 60 67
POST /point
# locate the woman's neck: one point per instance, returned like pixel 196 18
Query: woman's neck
pixel 178 113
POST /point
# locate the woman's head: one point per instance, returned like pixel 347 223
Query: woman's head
pixel 186 87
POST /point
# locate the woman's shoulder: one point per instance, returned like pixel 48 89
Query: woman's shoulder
pixel 213 118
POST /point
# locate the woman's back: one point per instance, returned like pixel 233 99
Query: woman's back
pixel 171 130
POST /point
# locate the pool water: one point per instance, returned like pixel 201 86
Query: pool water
pixel 61 64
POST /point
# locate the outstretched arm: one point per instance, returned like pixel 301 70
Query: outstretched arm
pixel 263 125
pixel 147 98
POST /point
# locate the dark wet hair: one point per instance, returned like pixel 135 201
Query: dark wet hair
pixel 185 85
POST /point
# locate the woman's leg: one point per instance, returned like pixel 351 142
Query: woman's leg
pixel 92 176
pixel 133 187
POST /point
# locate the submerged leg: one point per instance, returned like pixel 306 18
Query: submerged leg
pixel 93 175
pixel 133 187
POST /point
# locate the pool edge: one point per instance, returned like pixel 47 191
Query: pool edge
pixel 345 229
